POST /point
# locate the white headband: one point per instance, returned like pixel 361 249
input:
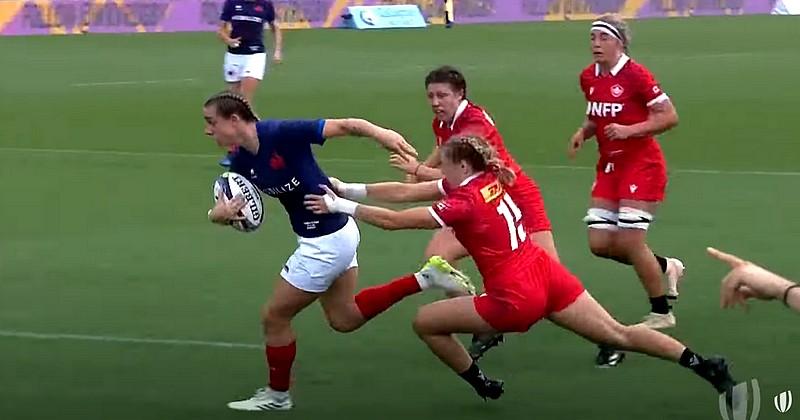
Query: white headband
pixel 607 28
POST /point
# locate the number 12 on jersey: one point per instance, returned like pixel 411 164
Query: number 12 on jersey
pixel 509 210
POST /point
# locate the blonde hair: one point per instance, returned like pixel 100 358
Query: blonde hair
pixel 480 155
pixel 615 20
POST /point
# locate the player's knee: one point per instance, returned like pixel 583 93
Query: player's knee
pixel 272 319
pixel 618 336
pixel 343 324
pixel 421 325
pixel 602 250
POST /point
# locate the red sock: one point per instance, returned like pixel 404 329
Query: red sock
pixel 374 300
pixel 279 361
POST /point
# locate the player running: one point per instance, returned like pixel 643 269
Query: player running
pixel 455 114
pixel 625 109
pixel 242 30
pixel 276 156
pixel 523 282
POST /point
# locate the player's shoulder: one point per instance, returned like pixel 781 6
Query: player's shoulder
pixel 474 111
pixel 588 72
pixel 636 69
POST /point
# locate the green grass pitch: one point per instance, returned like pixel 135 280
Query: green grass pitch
pixel 117 244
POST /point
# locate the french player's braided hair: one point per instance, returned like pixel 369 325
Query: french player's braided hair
pixel 621 26
pixel 480 155
pixel 449 75
pixel 229 103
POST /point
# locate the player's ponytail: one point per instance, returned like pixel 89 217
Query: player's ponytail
pixel 503 173
pixel 229 103
pixel 480 155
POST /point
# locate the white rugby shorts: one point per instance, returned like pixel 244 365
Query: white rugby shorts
pixel 238 66
pixel 318 262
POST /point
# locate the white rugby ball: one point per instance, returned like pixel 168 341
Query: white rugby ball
pixel 232 184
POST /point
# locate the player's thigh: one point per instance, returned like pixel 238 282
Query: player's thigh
pixel 286 302
pixel 445 244
pixel 587 318
pixel 338 304
pixel 635 217
pixel 451 316
pixel 248 87
pixel 601 219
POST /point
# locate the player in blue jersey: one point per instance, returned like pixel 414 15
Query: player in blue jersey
pixel 276 156
pixel 242 30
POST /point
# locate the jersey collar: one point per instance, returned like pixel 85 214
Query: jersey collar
pixel 460 110
pixel 616 69
pixel 470 178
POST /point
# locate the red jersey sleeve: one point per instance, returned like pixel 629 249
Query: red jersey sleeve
pixel 647 87
pixel 452 209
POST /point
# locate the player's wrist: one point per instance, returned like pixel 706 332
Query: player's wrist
pixel 354 191
pixel 343 205
pixel 794 288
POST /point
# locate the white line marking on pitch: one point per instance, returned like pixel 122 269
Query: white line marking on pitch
pixel 133 82
pixel 362 161
pixel 114 339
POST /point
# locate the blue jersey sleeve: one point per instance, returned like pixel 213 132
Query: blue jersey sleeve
pixel 227 11
pixel 304 130
pixel 269 13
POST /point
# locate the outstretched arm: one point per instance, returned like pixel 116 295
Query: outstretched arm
pixel 358 127
pixel 420 171
pixel 390 192
pixel 415 218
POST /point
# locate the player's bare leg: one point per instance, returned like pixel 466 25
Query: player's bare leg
pixel 347 312
pixel 339 306
pixel 627 244
pixel 590 320
pixel 248 87
pixel 276 321
pixel 436 325
pixel 445 244
pixel 634 220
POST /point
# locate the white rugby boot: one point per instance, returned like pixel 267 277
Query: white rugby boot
pixel 658 321
pixel 265 399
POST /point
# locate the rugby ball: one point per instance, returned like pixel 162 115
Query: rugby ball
pixel 231 184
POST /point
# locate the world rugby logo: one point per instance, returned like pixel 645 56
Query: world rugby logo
pixel 783 401
pixel 739 397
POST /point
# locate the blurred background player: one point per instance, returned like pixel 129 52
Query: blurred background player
pixel 276 156
pixel 242 30
pixel 747 280
pixel 449 17
pixel 523 283
pixel 625 109
pixel 454 114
